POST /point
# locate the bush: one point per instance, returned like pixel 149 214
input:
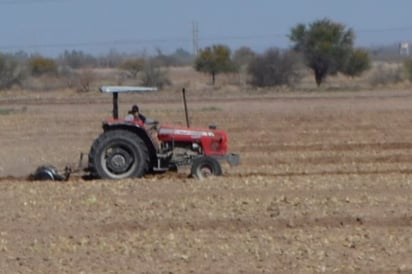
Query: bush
pixel 86 78
pixel 357 63
pixel 42 66
pixel 68 76
pixel 274 68
pixel 11 72
pixel 44 83
pixel 154 76
pixel 384 75
pixel 408 69
pixel 132 66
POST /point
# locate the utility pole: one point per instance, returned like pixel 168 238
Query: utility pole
pixel 195 34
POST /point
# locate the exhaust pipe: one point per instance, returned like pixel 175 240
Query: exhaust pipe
pixel 185 104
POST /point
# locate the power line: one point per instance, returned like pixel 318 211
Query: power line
pixel 26 2
pixel 135 42
pixel 195 39
pixel 97 43
pixel 394 29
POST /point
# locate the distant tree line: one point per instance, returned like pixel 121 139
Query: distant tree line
pixel 77 66
pixel 323 46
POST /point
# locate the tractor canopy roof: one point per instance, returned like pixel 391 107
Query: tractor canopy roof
pixel 124 89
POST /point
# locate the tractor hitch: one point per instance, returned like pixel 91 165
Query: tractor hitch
pixel 51 173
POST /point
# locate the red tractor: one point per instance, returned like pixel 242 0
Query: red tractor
pixel 127 148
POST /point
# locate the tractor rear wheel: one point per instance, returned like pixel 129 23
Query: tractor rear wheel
pixel 118 154
pixel 205 167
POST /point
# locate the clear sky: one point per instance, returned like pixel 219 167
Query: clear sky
pixel 96 26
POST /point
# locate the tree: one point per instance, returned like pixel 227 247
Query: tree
pixel 77 59
pixel 274 68
pixel 243 56
pixel 112 59
pixel 357 63
pixel 182 57
pixel 133 66
pixel 214 60
pixel 325 46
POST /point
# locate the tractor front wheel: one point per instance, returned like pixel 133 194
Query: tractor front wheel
pixel 205 167
pixel 118 154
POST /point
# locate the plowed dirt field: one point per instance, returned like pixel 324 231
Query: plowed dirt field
pixel 325 185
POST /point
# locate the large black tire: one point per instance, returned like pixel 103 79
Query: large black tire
pixel 205 167
pixel 118 154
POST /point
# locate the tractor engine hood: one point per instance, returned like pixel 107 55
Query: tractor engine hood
pixel 213 141
pixel 189 134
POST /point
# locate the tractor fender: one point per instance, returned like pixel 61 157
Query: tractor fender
pixel 139 131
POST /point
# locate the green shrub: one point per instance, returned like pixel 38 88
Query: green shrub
pixel 325 46
pixel 5 111
pixel 215 60
pixel 357 63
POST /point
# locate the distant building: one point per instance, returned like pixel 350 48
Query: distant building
pixel 404 49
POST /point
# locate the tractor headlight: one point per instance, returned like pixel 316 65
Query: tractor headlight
pixel 195 146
